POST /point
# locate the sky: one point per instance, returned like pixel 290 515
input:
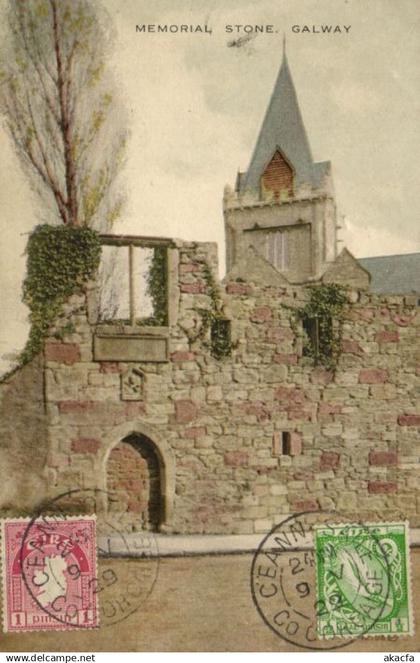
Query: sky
pixel 194 106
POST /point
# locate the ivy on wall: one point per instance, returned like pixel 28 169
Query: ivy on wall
pixel 322 323
pixel 220 339
pixel 60 261
pixel 157 286
pixel 213 320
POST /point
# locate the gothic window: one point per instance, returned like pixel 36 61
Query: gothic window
pixel 276 249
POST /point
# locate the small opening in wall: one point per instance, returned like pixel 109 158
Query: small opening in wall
pixel 220 336
pixel 319 332
pixel 285 443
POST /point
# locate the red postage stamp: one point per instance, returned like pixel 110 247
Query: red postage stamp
pixel 49 573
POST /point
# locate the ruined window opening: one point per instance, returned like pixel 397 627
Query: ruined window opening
pixel 276 249
pixel 319 332
pixel 220 338
pixel 286 440
pixel 133 282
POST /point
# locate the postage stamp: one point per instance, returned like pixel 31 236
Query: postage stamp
pixel 49 573
pixel 363 580
pixel 110 587
pixel 309 587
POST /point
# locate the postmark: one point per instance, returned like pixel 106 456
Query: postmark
pixel 363 580
pixel 126 572
pixel 49 567
pixel 284 582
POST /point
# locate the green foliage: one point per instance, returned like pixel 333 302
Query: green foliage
pixel 322 322
pixel 60 261
pixel 157 286
pixel 220 341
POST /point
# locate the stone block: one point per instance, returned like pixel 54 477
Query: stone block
pixel 193 433
pixel 236 458
pixel 189 267
pixel 185 411
pixel 243 527
pixel 262 525
pixel 327 409
pixel 85 445
pixel 273 373
pixel 123 347
pixel 261 314
pixel 278 489
pixel 295 446
pixel 321 376
pixel 193 288
pixel 352 347
pixel 279 334
pixel 233 288
pixel 329 460
pixel 373 376
pixel 214 393
pixel 182 355
pixel 286 359
pixel 409 420
pixel 383 458
pixel 387 337
pixel 305 505
pixel 109 367
pixel 382 487
pixel 64 353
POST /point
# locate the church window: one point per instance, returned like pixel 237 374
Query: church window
pixel 276 249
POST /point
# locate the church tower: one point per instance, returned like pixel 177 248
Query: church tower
pixel 283 205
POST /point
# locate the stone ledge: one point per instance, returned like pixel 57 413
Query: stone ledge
pixel 198 544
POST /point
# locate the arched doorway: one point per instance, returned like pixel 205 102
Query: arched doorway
pixel 134 483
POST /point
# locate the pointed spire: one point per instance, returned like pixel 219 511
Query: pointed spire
pixel 282 129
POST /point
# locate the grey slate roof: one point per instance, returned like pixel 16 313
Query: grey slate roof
pixel 283 128
pixel 398 274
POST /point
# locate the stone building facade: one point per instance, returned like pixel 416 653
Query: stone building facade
pixel 179 439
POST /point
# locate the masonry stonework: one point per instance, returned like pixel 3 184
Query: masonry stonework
pixel 178 438
pixel 212 424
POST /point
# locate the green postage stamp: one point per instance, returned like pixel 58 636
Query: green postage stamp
pixel 363 580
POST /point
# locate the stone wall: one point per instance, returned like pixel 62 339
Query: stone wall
pixel 24 445
pixel 241 441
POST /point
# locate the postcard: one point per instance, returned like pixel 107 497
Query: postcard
pixel 209 402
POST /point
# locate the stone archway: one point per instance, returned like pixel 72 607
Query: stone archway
pixel 134 483
pixel 166 459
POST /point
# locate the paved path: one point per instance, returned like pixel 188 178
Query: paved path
pixel 199 603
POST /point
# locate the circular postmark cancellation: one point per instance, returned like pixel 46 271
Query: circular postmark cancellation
pixel 66 582
pixel 321 585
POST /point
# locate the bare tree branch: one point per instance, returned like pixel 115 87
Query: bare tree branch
pixel 56 105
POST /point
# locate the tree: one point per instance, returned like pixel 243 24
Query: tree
pixel 58 109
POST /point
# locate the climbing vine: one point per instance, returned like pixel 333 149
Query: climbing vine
pixel 60 259
pixel 213 320
pixel 220 339
pixel 157 286
pixel 322 323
